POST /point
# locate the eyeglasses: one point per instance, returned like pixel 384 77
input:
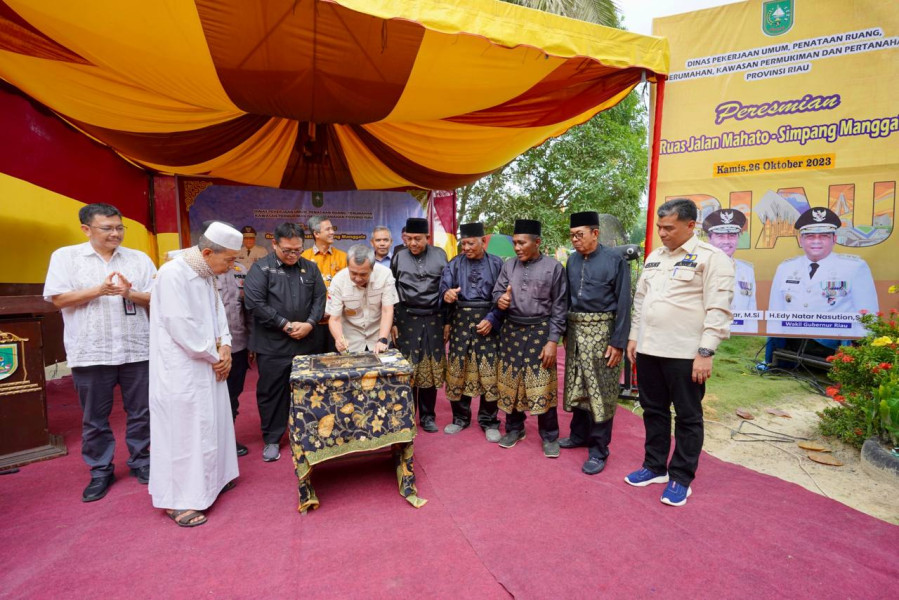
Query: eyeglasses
pixel 578 235
pixel 289 252
pixel 108 229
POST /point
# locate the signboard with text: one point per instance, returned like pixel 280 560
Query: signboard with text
pixel 353 213
pixel 787 112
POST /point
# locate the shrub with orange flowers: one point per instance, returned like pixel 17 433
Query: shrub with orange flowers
pixel 866 389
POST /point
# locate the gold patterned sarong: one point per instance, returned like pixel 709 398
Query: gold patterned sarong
pixel 523 383
pixel 420 340
pixel 590 385
pixel 471 365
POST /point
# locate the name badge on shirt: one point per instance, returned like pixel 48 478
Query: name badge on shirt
pixel 130 308
pixel 685 263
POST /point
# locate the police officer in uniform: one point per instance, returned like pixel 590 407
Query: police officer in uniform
pixel 821 281
pixel 723 228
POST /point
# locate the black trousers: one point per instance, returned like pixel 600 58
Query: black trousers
pixel 596 436
pixel 547 423
pixel 237 377
pixel 273 395
pixel 95 385
pixel 664 382
pixel 324 341
pixel 487 412
pixel 425 402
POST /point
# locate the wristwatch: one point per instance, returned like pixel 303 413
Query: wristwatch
pixel 289 328
pixel 384 341
pixel 705 352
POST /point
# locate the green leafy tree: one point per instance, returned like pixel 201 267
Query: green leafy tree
pixel 602 12
pixel 599 165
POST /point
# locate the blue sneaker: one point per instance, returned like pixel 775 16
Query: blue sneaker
pixel 644 477
pixel 675 494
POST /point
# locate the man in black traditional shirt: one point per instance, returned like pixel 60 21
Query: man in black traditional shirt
pixel 286 295
pixel 534 293
pixel 599 292
pixel 419 317
pixel 473 332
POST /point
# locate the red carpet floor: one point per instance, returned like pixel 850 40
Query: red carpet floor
pixel 498 524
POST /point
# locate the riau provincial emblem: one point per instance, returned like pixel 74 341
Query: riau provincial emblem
pixel 777 17
pixel 9 359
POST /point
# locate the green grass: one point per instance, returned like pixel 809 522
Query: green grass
pixel 735 382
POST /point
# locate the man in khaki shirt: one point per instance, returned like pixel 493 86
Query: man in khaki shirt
pixel 681 313
pixel 361 303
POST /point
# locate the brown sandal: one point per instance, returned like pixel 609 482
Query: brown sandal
pixel 184 518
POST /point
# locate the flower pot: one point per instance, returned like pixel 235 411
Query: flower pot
pixel 879 462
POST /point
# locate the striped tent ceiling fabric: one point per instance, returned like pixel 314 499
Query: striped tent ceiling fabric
pixel 320 94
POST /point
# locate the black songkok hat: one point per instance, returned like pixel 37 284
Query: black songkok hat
pixel 528 226
pixel 588 218
pixel 818 220
pixel 470 230
pixel 417 226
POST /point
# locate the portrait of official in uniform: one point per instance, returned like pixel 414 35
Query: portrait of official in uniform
pixel 724 227
pixel 821 281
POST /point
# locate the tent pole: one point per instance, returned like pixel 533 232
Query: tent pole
pixel 654 163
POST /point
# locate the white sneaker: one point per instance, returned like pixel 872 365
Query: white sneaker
pixel 493 435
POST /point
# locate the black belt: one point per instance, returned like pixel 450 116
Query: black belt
pixel 420 312
pixel 474 304
pixel 527 320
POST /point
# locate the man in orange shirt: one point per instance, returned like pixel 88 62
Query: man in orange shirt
pixel 330 260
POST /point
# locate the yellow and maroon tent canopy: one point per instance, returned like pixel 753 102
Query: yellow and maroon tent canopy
pixel 320 94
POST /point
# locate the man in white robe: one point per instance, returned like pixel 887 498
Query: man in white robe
pixel 191 430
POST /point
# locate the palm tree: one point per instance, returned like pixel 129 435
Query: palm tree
pixel 601 12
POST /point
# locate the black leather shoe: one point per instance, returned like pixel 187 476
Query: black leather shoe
pixel 567 443
pixel 241 449
pixel 97 488
pixel 142 474
pixel 593 466
pixel 429 425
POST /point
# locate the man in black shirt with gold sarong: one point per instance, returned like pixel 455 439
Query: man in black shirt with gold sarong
pixel 419 318
pixel 599 292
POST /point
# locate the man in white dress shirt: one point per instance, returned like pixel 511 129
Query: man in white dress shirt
pixel 191 429
pixel 724 227
pixel 821 281
pixel 103 290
